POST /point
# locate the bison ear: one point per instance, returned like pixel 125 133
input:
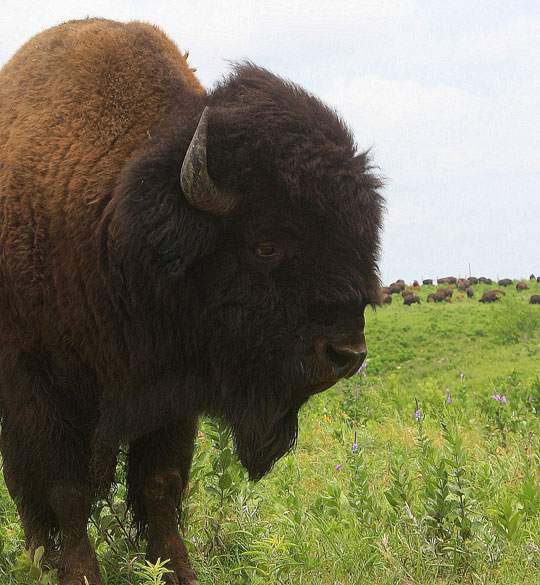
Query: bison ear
pixel 199 189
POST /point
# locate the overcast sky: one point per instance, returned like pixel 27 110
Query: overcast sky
pixel 446 95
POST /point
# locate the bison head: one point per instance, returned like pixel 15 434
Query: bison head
pixel 262 261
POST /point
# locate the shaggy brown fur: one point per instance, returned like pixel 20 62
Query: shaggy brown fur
pixel 127 312
pixel 535 300
pixel 522 286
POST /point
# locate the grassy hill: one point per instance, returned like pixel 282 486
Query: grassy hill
pixel 422 469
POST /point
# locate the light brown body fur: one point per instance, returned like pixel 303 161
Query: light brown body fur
pixel 89 99
pixel 76 103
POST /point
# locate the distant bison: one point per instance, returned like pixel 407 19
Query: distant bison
pixel 535 300
pixel 470 292
pixel 505 282
pixel 522 286
pixel 485 280
pixel 386 299
pixel 410 299
pixel 532 277
pixel 490 296
pixel 446 292
pixel 416 283
pixel 447 280
pixel 428 281
pixel 165 253
pixel 463 284
pixel 396 287
pixel 436 297
pixel 473 280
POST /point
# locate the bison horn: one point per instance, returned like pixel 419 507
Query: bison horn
pixel 199 189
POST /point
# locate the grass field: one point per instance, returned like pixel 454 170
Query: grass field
pixel 422 469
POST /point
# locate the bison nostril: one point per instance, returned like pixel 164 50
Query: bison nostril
pixel 345 360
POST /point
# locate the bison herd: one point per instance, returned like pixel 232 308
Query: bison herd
pixel 450 284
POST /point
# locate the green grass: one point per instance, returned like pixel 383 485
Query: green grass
pixel 451 497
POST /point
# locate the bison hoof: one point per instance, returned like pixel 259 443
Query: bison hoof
pixel 172 579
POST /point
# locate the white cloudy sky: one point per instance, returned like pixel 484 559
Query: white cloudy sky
pixel 446 94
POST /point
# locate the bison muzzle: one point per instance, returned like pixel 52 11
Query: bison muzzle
pixel 166 253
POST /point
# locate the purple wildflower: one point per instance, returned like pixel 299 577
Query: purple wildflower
pixel 496 397
pixel 461 375
pixel 503 398
pixel 338 466
pixel 417 414
pixel 449 399
pixel 355 447
pixel 356 389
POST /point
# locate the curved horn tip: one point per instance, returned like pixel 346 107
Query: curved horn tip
pixel 197 185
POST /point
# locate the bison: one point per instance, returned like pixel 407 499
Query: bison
pixel 505 282
pixel 410 299
pixel 447 280
pixel 491 296
pixel 485 280
pixel 427 281
pixel 446 292
pixel 470 292
pixel 396 287
pixel 167 252
pixel 522 286
pixel 535 300
pixel 437 296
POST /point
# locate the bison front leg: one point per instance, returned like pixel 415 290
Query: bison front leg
pixel 158 468
pixel 45 455
pixel 72 503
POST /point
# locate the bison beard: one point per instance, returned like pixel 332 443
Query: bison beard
pixel 261 439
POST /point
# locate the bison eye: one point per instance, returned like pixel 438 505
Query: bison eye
pixel 265 250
